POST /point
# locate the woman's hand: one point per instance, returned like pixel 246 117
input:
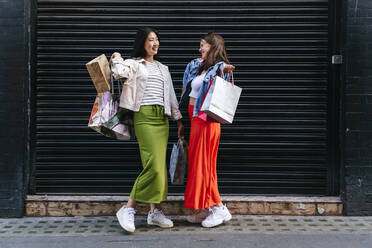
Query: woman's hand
pixel 114 55
pixel 228 68
pixel 181 130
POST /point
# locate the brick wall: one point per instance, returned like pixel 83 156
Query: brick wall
pixel 358 108
pixel 13 78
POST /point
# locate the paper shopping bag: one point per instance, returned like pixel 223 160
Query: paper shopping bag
pixel 221 100
pixel 99 71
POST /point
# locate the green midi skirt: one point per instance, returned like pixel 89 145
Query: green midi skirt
pixel 152 129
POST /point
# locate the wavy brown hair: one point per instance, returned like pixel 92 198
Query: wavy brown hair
pixel 216 53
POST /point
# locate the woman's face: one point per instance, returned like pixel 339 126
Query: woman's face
pixel 151 44
pixel 204 49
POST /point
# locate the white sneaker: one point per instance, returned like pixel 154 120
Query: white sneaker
pixel 157 218
pixel 126 218
pixel 199 216
pixel 218 216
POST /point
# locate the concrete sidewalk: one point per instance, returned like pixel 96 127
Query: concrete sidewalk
pixel 108 225
pixel 241 231
pixel 207 240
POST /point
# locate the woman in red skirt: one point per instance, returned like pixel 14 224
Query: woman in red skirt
pixel 202 190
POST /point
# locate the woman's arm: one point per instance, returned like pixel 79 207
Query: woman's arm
pixel 175 112
pixel 122 68
pixel 181 130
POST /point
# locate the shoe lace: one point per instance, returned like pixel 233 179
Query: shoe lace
pixel 159 214
pixel 214 210
pixel 131 213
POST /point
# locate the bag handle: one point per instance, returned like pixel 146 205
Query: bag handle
pixel 232 77
pixel 112 83
pixel 119 87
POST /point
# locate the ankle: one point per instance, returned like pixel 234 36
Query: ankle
pixel 153 210
pixel 131 203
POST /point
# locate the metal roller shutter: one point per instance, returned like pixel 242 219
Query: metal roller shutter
pixel 278 142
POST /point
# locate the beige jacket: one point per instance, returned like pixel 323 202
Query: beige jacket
pixel 135 72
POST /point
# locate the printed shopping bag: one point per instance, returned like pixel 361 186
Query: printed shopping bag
pixel 178 162
pixel 106 119
pixel 221 100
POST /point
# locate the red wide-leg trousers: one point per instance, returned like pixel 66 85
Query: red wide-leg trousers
pixel 202 189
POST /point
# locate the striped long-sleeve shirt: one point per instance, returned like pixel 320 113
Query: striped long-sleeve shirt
pixel 154 92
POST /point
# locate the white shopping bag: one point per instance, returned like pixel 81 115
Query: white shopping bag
pixel 221 100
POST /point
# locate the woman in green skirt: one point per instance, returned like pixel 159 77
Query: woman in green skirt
pixel 148 92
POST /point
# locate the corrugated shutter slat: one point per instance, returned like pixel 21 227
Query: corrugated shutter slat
pixel 278 142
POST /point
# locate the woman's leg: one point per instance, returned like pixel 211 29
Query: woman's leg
pixel 152 207
pixel 151 186
pixel 202 189
pixel 152 129
pixel 131 203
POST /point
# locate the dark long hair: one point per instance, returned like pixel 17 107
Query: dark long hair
pixel 216 53
pixel 139 43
